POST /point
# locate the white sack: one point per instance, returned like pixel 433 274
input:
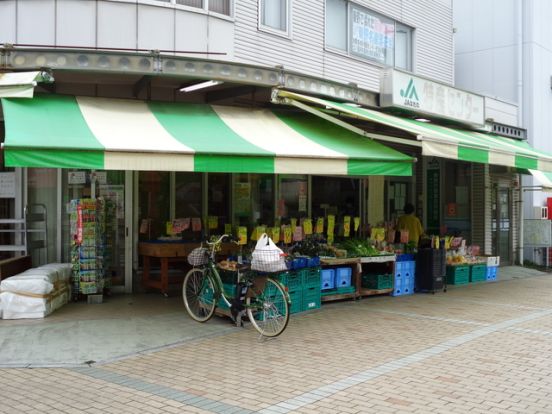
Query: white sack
pixel 33 284
pixel 12 303
pixel 63 270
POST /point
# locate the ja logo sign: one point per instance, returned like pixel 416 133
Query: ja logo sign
pixel 410 95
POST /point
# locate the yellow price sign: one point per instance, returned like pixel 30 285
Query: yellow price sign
pixel 346 226
pixel 287 234
pixel 331 224
pixel 320 225
pixel 307 226
pixel 169 228
pixel 357 223
pixel 228 228
pixel 275 234
pixel 242 235
pixel 212 222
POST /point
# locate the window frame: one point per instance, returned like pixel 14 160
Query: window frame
pixel 347 52
pixel 264 28
pixel 173 4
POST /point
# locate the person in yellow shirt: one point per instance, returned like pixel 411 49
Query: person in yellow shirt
pixel 410 222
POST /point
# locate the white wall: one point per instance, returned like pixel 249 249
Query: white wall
pixel 304 50
pixel 114 24
pixel 487 54
pixel 486 47
pixel 142 24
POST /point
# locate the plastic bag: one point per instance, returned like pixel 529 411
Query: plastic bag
pixel 267 257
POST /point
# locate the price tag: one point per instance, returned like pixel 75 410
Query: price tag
pixel 213 222
pixel 287 234
pixel 242 235
pixel 357 223
pixel 320 225
pixel 307 227
pixel 331 225
pixel 275 234
pixel 228 228
pixel 298 233
pixel 346 226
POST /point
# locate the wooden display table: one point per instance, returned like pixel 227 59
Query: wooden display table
pixel 356 277
pixel 170 253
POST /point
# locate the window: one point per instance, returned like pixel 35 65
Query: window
pixel 403 47
pixel 273 15
pixel 363 33
pixel 216 6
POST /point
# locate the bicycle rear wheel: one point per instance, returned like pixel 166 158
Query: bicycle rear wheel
pixel 268 310
pixel 198 293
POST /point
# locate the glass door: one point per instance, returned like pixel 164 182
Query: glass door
pixel 501 224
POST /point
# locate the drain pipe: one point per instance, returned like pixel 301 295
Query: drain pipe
pixel 519 47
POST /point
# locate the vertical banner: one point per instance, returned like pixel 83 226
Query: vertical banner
pixel 433 199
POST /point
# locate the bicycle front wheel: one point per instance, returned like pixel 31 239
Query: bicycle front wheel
pixel 268 309
pixel 198 293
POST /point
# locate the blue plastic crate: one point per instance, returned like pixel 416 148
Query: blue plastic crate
pixel 343 277
pixel 327 279
pixel 299 263
pixel 406 257
pixel 404 278
pixel 491 274
pixel 313 262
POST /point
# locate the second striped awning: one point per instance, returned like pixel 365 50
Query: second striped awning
pixel 99 133
pixel 440 141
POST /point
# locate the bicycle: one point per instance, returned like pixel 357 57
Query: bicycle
pixel 264 300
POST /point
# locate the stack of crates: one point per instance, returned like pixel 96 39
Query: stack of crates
pixel 492 268
pixel 293 281
pixel 311 288
pixel 458 275
pixel 478 273
pixel 377 281
pixel 336 281
pixel 404 278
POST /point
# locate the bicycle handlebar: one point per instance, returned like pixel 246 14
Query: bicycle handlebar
pixel 221 239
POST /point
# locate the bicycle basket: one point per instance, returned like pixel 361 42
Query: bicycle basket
pixel 198 256
pixel 268 261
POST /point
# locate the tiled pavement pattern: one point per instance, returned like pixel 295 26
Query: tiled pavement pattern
pixel 484 348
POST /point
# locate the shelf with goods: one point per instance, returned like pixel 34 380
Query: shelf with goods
pixel 377 275
pixel 87 218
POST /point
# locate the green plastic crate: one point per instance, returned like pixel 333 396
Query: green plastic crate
pixel 377 281
pixel 311 277
pixel 478 273
pixel 458 275
pixel 296 298
pixel 339 291
pixel 293 280
pixel 312 298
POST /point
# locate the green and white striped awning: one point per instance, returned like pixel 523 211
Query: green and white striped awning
pixel 114 134
pixel 437 140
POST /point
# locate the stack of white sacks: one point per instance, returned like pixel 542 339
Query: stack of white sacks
pixel 36 292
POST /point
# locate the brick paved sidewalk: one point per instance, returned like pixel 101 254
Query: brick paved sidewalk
pixel 480 348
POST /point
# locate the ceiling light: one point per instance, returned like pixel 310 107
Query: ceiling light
pixel 422 120
pixel 200 85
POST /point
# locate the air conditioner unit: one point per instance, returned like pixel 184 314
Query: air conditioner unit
pixel 540 212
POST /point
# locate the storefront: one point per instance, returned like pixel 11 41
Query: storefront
pixel 211 169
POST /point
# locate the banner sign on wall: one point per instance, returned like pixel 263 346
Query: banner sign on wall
pixel 372 36
pixel 404 90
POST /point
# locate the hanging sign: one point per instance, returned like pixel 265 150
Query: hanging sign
pixel 331 225
pixel 319 225
pixel 287 234
pixel 307 227
pixel 346 226
pixel 298 233
pixel 228 228
pixel 76 177
pixel 242 235
pixel 213 222
pixel 79 225
pixel 357 223
pixel 275 234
